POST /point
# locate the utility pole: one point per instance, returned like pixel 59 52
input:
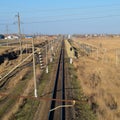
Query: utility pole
pixel 19 33
pixel 117 51
pixel 46 61
pixel 7 33
pixel 51 49
pixel 34 71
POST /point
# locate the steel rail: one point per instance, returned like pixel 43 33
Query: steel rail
pixel 63 85
pixel 54 94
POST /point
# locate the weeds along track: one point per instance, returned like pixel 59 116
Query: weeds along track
pixel 12 85
pixel 8 101
pixel 4 81
pixel 31 109
pixel 7 79
pixel 58 90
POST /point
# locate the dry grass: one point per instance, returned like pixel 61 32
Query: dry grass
pixel 101 82
pixel 10 64
pixel 107 48
pixel 70 53
pixel 19 85
pixel 4 49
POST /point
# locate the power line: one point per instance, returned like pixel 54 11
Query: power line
pixel 62 9
pixel 19 33
pixel 70 19
pixel 43 99
pixel 57 15
pixel 76 8
pixel 84 18
pixel 6 23
pixel 64 15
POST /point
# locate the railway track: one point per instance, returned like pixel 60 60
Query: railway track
pixel 4 82
pixel 58 90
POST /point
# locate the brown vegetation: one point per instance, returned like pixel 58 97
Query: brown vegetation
pixel 101 80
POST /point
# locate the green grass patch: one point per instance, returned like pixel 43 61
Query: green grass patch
pixel 83 110
pixel 12 98
pixel 28 110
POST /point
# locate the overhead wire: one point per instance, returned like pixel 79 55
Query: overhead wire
pixel 63 9
pixel 67 8
pixel 70 19
pixel 42 98
pixel 51 19
pixel 82 18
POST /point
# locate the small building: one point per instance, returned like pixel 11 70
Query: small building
pixel 28 36
pixel 11 37
pixel 2 36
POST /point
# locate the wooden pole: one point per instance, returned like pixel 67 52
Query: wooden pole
pixel 116 57
pixel 46 61
pixel 34 71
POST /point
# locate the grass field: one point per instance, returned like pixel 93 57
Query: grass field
pixel 107 48
pixel 100 80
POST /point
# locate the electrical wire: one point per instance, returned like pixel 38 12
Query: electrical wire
pixel 72 19
pixel 42 99
pixel 63 9
pixel 84 18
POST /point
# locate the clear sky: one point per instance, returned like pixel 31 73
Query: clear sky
pixel 60 16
